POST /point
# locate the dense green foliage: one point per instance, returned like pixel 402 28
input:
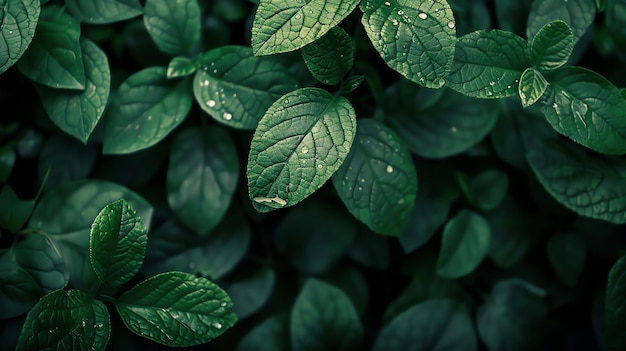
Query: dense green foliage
pixel 313 174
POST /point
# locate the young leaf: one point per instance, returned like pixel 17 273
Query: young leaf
pixel 579 14
pixel 180 67
pixel 19 291
pixel 592 186
pixel 300 142
pixel 329 57
pixel 39 256
pixel 615 306
pixel 19 20
pixel 433 325
pixel 173 25
pixel 552 46
pixel 489 63
pixel 323 318
pixel 117 243
pixel 287 25
pixel 567 255
pixel 532 86
pixel 465 242
pixel 147 108
pixel 66 320
pixel 104 11
pixel 236 88
pixel 586 108
pixel 202 177
pixel 485 190
pixel 414 38
pixel 377 182
pixel 77 113
pixel 176 309
pixel 272 334
pixel 54 56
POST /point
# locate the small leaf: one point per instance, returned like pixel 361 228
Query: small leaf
pixel 117 243
pixel 489 63
pixel 287 25
pixel 19 19
pixel 532 86
pixel 416 39
pixel 180 67
pixel 19 291
pixel 329 57
pixel 615 306
pixel 377 182
pixel 104 11
pixel 552 46
pixel 586 108
pixel 433 325
pixel 236 88
pixel 578 14
pixel 77 113
pixel 54 56
pixel 567 255
pixel 323 318
pixel 173 25
pixel 465 242
pixel 176 309
pixel 484 190
pixel 66 320
pixel 202 177
pixel 300 142
pixel 147 108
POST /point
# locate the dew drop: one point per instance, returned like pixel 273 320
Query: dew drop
pixel 298 16
pixel 453 129
pixel 451 25
pixel 400 13
pixel 286 101
pixel 362 180
pixel 223 304
pixel 210 103
pixel 360 188
pixel 305 149
pixel 387 3
pixel 205 83
pixel 394 22
pixel 554 105
pixel 217 325
pixel 214 71
pixel 149 118
pixel 227 116
pixel 389 169
pixel 10 32
pixel 320 166
pixel 492 83
pixel 84 324
pixel 422 15
pixel 489 93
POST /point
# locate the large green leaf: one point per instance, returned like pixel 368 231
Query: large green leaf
pixel 578 14
pixel 64 159
pixel 377 182
pixel 465 242
pixel 329 57
pixel 202 177
pixel 489 63
pixel 117 243
pixel 300 142
pixel 586 108
pixel 19 291
pixel 66 320
pixel 176 309
pixel 567 253
pixel 147 107
pixel 54 57
pixel 433 325
pixel 590 185
pixel 104 11
pixel 615 306
pixel 174 25
pixel 236 88
pixel 552 46
pixel 77 113
pixel 323 318
pixel 19 20
pixel 287 25
pixel 415 38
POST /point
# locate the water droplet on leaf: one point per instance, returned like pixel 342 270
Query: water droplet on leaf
pixel 389 169
pixel 305 149
pixel 422 15
pixel 227 116
pixel 210 103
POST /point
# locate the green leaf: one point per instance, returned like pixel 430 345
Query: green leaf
pixel 66 320
pixel 329 57
pixel 377 182
pixel 117 243
pixel 19 20
pixel 147 108
pixel 552 46
pixel 202 177
pixel 272 334
pixel 176 309
pixel 615 306
pixel 13 211
pixel 251 293
pixel 567 255
pixel 174 25
pixel 287 25
pixel 77 113
pixel 578 14
pixel 7 161
pixel 180 67
pixel 532 86
pixel 38 255
pixel 416 39
pixel 236 88
pixel 323 318
pixel 352 282
pixel 64 159
pixel 303 244
pixel 300 142
pixel 19 291
pixel 465 242
pixel 54 56
pixel 433 325
pixel 104 11
pixel 586 108
pixel 508 320
pixel 485 190
pixel 488 64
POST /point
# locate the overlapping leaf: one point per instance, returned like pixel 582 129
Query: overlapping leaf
pixel 104 11
pixel 552 46
pixel 19 20
pixel 578 14
pixel 329 57
pixel 173 25
pixel 532 86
